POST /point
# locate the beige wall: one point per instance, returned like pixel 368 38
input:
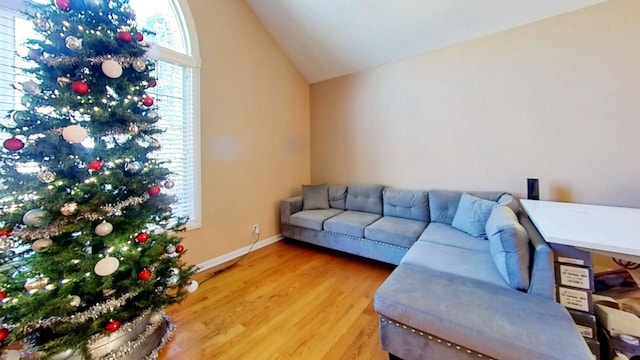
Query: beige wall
pixel 254 129
pixel 558 100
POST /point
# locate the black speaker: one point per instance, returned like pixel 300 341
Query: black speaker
pixel 533 191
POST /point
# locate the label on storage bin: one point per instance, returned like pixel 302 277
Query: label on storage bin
pixel 575 277
pixel 574 299
pixel 570 260
pixel 585 331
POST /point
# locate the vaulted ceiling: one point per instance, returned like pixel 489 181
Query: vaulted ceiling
pixel 329 38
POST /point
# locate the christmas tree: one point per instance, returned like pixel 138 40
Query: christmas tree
pixel 88 243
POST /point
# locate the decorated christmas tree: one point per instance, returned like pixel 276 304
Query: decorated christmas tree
pixel 89 248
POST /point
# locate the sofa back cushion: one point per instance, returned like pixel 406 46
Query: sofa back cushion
pixel 443 204
pixel 366 198
pixel 337 196
pixel 509 246
pixel 408 204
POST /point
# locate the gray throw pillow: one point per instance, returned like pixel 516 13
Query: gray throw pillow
pixel 509 247
pixel 472 214
pixel 315 197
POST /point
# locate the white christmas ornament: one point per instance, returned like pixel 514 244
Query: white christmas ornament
pixel 112 69
pixel 192 286
pixel 64 355
pixel 106 266
pixel 74 300
pixel 41 245
pixel 35 217
pixel 103 229
pixel 74 134
pixel 11 355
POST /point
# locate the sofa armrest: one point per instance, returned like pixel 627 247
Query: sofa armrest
pixel 542 281
pixel 289 207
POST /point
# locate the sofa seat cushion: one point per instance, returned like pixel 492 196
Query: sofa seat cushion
pixel 497 321
pixel 394 230
pixel 446 235
pixel 465 263
pixel 351 223
pixel 313 219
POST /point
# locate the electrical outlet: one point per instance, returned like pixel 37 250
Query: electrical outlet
pixel 256 229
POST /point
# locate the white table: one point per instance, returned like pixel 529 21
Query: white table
pixel 609 230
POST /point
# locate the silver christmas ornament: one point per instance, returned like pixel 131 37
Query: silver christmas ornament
pixel 68 209
pixel 170 249
pixel 133 129
pixel 46 176
pixel 63 80
pixel 35 217
pixel 94 4
pixel 169 184
pixel 36 283
pixel 133 167
pixel 152 116
pixel 73 43
pixel 139 64
pixel 31 87
pixel 106 266
pixel 111 68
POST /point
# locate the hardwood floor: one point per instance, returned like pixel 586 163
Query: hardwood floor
pixel 284 301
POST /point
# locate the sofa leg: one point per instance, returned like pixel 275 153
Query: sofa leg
pixel 393 357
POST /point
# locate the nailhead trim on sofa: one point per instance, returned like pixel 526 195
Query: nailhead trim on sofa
pixel 436 339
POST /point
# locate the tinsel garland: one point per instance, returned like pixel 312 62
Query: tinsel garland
pixel 129 346
pixel 92 313
pixel 53 229
pixel 124 61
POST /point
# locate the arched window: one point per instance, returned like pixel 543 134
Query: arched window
pixel 177 93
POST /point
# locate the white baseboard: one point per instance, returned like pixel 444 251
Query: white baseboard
pixel 237 253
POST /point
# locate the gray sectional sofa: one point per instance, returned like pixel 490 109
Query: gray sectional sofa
pixel 471 281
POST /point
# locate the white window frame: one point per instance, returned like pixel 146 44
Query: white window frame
pixel 190 37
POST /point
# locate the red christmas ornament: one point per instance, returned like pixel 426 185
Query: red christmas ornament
pixel 64 5
pixel 179 249
pixel 3 294
pixel 113 325
pixel 153 83
pixel 144 274
pixel 80 87
pixel 4 332
pixel 154 190
pixel 147 100
pixel 142 237
pixel 5 232
pixel 13 144
pixel 125 36
pixel 95 165
pixel 139 36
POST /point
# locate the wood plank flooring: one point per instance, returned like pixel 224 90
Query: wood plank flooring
pixel 284 301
